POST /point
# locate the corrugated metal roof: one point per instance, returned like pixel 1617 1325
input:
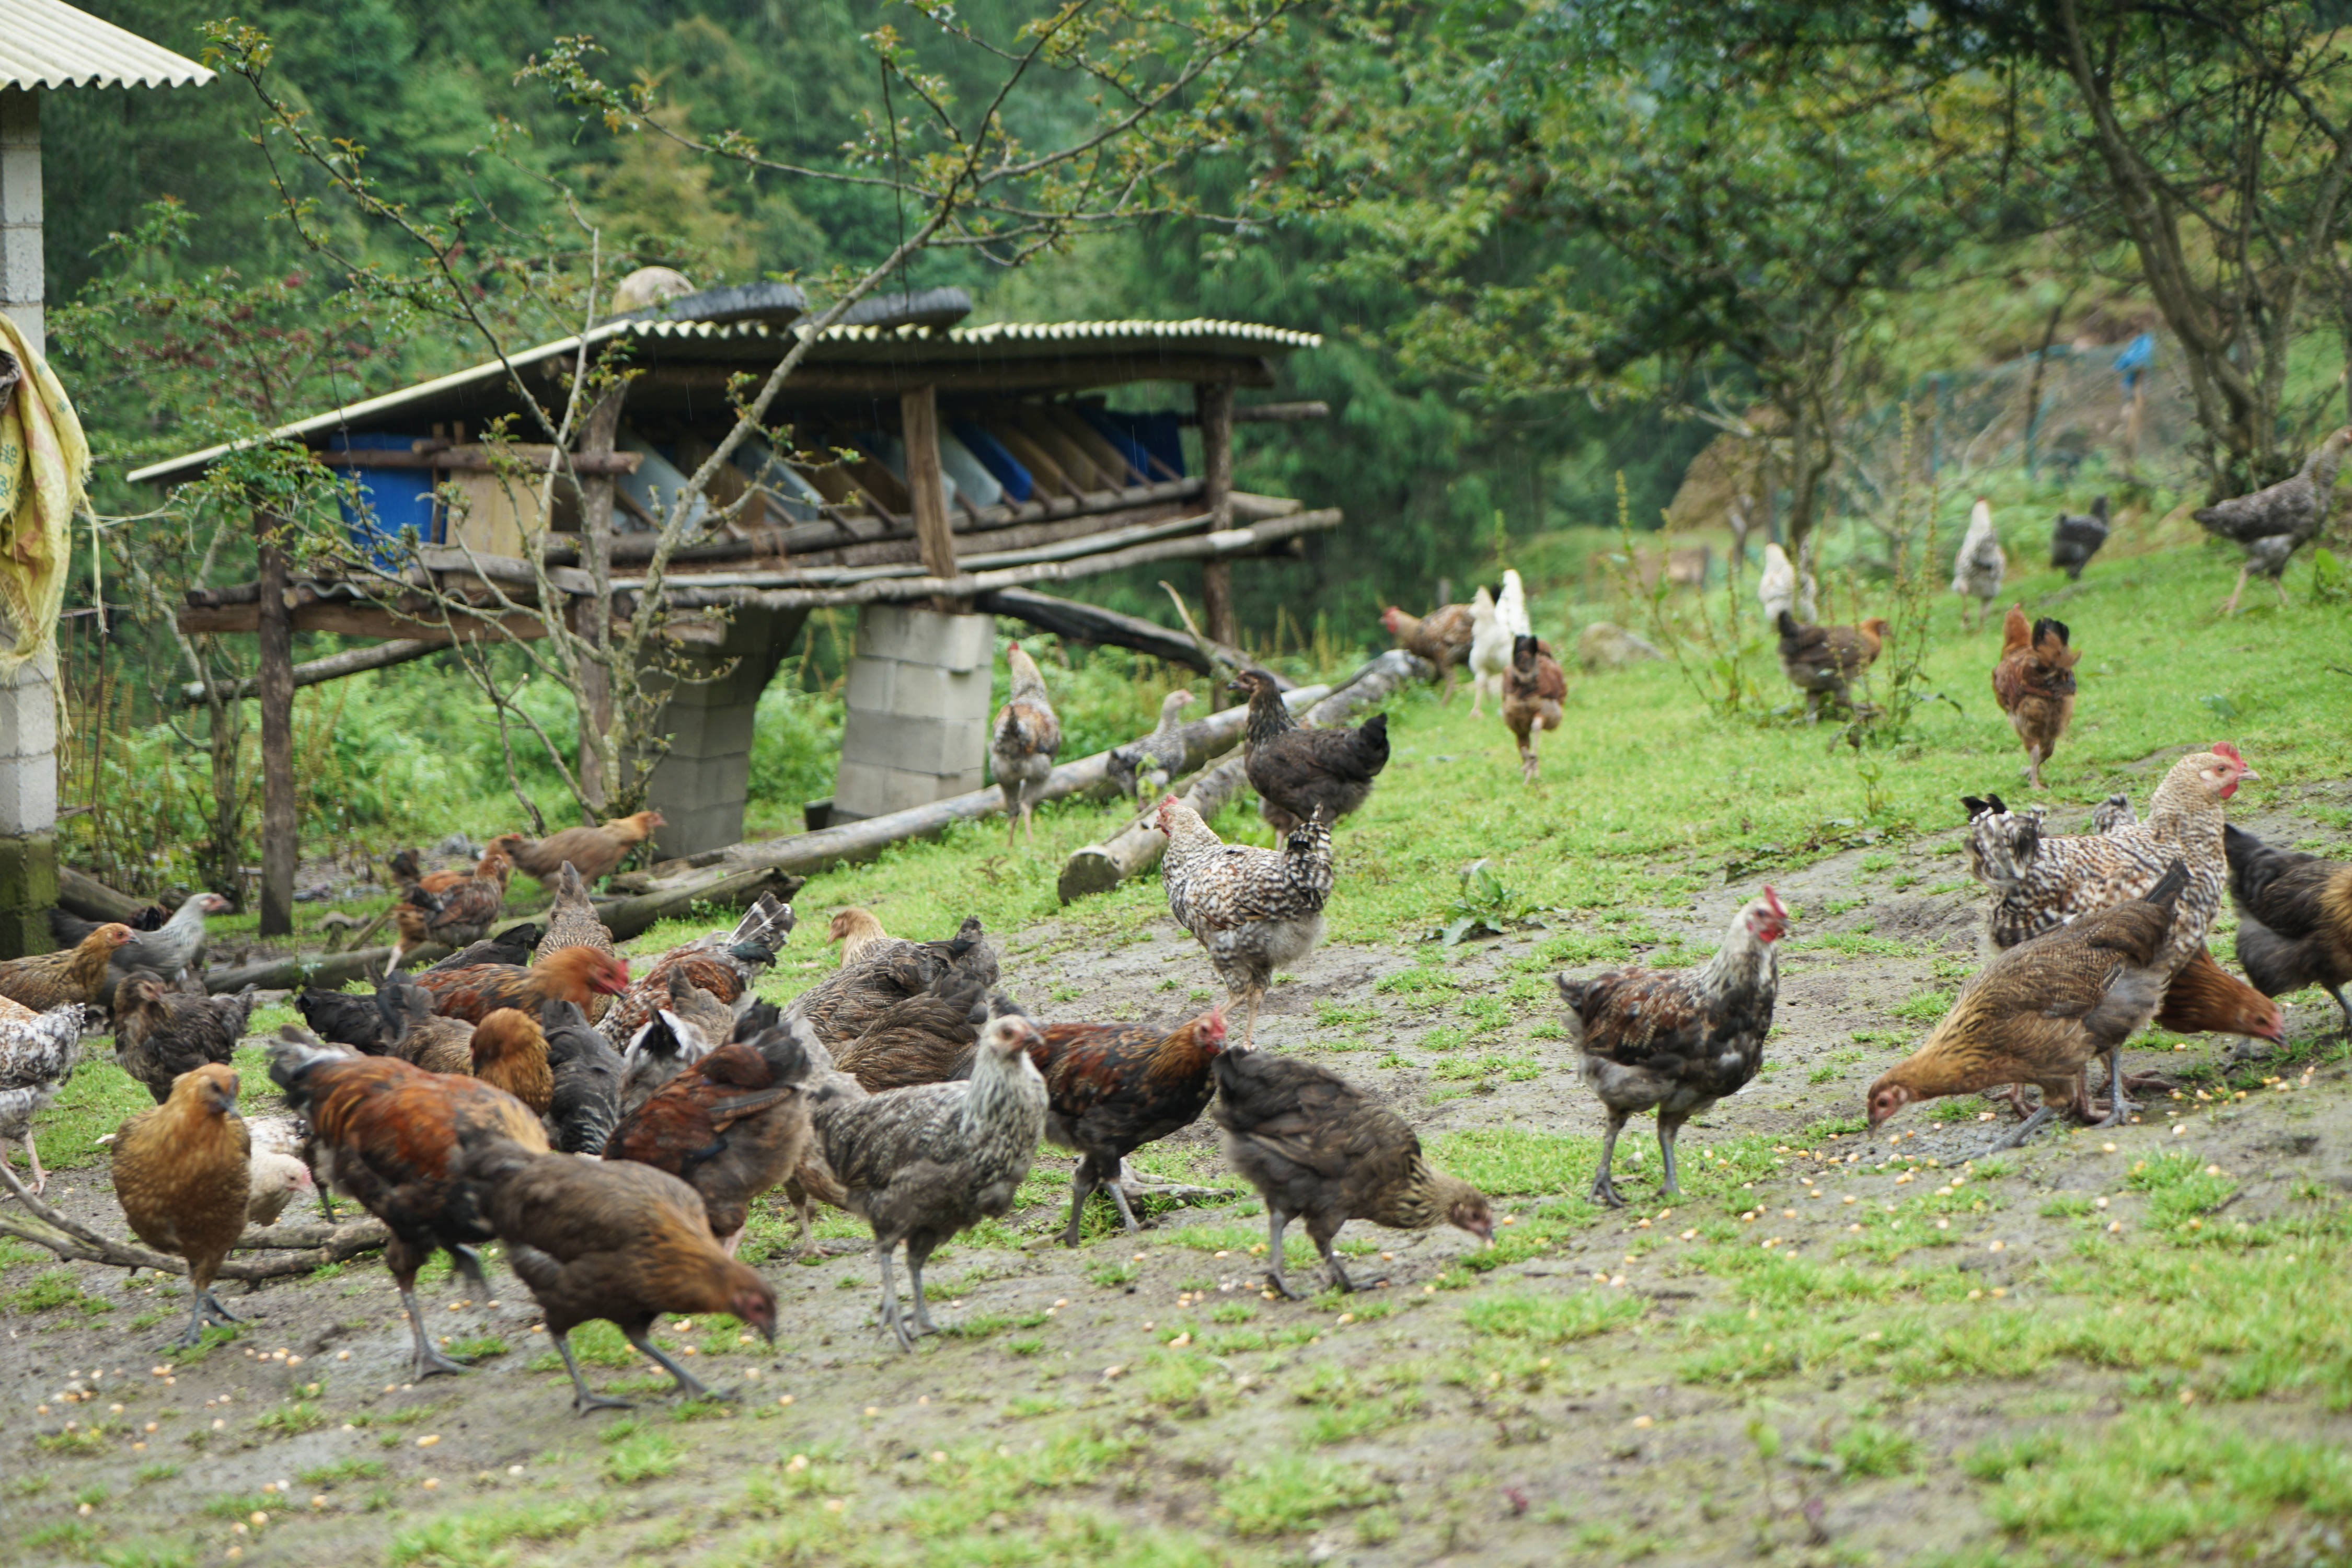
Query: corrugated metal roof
pixel 47 42
pixel 998 343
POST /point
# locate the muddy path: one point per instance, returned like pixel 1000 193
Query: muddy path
pixel 1805 1358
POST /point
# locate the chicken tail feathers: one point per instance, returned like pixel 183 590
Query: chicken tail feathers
pixel 293 1055
pixel 490 1159
pixel 1787 626
pixel 2167 892
pixel 767 922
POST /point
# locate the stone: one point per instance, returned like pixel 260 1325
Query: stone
pixel 1604 645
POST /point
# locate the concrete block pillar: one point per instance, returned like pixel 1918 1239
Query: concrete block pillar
pixel 703 783
pixel 917 729
pixel 22 289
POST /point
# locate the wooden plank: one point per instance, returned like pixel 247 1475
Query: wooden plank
pixel 1075 621
pixel 275 623
pixel 479 461
pixel 1281 413
pixel 676 383
pixel 598 433
pixel 919 413
pixel 351 619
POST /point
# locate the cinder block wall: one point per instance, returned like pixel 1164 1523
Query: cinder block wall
pixel 702 784
pixel 917 728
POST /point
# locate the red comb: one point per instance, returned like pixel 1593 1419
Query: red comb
pixel 2223 749
pixel 1773 899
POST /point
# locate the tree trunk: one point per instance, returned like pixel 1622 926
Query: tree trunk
pixel 275 682
pixel 595 697
pixel 1215 403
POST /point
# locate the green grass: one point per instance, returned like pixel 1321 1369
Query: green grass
pixel 475 1537
pixel 1292 1492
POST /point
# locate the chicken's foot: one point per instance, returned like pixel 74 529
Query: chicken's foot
pixel 1668 1130
pixel 1249 1029
pixel 2119 1090
pixel 891 1317
pixel 1276 1222
pixel 1605 1190
pixel 2230 608
pixel 40 1177
pixel 430 1362
pixel 689 1385
pixel 202 1309
pixel 2337 991
pixel 582 1399
pixel 2016 1136
pixel 1339 1275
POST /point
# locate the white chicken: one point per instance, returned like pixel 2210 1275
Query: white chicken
pixel 1977 571
pixel 1778 589
pixel 1490 651
pixel 1511 609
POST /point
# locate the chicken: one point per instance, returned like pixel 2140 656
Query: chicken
pixel 160 1033
pixel 2041 1010
pixel 176 945
pixel 415 1034
pixel 1533 690
pixel 929 1037
pixel 1821 661
pixel 1023 743
pixel 2034 684
pixel 1511 608
pixel 182 1173
pixel 410 878
pixel 594 852
pixel 1142 768
pixel 1778 590
pixel 2076 537
pixel 2295 917
pixel 814 1181
pixel 693 1025
pixel 391 1133
pixel 78 974
pixel 724 963
pixel 1110 1089
pixel 2113 814
pixel 612 1240
pixel 571 975
pixel 1676 1041
pixel 573 922
pixel 1443 636
pixel 2040 881
pixel 347 1018
pixel 1296 770
pixel 1978 569
pixel 2274 522
pixel 2205 998
pixel 732 1126
pixel 37 1057
pixel 518 944
pixel 1314 1146
pixel 585 1073
pixel 920 1164
pixel 1252 909
pixel 458 915
pixel 1490 651
pixel 510 1053
pixel 879 971
pixel 271 1181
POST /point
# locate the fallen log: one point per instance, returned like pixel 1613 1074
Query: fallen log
pixel 806 854
pixel 1135 848
pixel 1076 622
pixel 298 1250
pixel 79 893
pixel 733 889
pixel 325 971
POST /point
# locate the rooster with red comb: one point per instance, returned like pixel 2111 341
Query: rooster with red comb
pixel 2043 881
pixel 1676 1041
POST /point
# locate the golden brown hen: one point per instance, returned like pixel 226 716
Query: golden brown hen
pixel 182 1172
pixel 1821 661
pixel 1533 688
pixel 594 852
pixel 49 980
pixel 1443 636
pixel 2034 684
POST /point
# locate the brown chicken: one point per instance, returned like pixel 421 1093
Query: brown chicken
pixel 161 1033
pixel 732 1126
pixel 1821 661
pixel 568 975
pixel 388 1134
pixel 1110 1089
pixel 879 971
pixel 2039 1011
pixel 1252 909
pixel 1023 741
pixel 456 915
pixel 1315 1147
pixel 2205 998
pixel 724 962
pixel 1443 636
pixel 415 1034
pixel 573 922
pixel 510 1052
pixel 75 974
pixel 2295 917
pixel 926 1038
pixel 1296 770
pixel 594 852
pixel 2034 684
pixel 612 1240
pixel 183 1174
pixel 1533 688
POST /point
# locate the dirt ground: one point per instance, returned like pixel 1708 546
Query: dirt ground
pixel 1140 1400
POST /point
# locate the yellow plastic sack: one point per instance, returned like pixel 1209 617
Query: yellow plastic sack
pixel 43 480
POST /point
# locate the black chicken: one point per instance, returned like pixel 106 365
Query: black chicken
pixel 2076 538
pixel 1294 770
pixel 2294 917
pixel 585 1105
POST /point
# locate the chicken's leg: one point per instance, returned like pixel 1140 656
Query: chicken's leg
pixel 1126 1215
pixel 583 1400
pixel 1669 1128
pixel 430 1362
pixel 2120 1107
pixel 890 1315
pixel 40 1177
pixel 1012 810
pixel 2337 991
pixel 2279 583
pixel 203 1309
pixel 1249 1028
pixel 2034 765
pixel 1604 1191
pixel 918 1252
pixel 2231 607
pixel 1082 1187
pixel 689 1385
pixel 1276 1220
pixel 2016 1136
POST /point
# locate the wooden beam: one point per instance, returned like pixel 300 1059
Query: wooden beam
pixel 1074 621
pixel 814 382
pixel 596 689
pixel 1280 412
pixel 349 618
pixel 275 623
pixel 478 462
pixel 918 416
pixel 1215 403
pixel 334 667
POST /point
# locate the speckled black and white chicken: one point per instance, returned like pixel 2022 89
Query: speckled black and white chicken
pixel 2276 520
pixel 1023 743
pixel 37 1052
pixel 1675 1041
pixel 1252 909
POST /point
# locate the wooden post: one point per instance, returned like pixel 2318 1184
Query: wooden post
pixel 275 685
pixel 595 699
pixel 1214 401
pixel 918 418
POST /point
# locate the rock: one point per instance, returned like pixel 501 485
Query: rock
pixel 1604 645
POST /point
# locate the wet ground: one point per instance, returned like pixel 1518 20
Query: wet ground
pixel 1754 1371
